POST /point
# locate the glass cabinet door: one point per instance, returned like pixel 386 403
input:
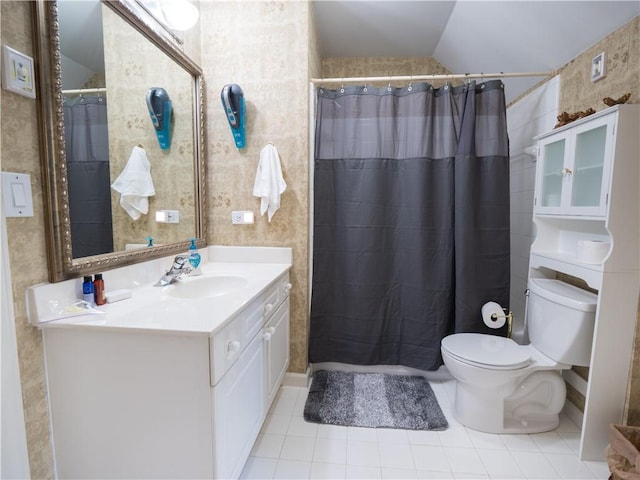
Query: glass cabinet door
pixel 553 162
pixel 588 167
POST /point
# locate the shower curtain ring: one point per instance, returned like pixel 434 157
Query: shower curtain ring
pixel 342 85
pixel 365 88
pixel 410 87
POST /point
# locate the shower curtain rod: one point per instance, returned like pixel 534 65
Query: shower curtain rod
pixel 83 90
pixel 412 78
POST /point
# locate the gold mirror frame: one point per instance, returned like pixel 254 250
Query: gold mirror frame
pixel 62 265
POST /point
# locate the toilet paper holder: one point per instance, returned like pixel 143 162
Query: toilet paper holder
pixel 508 314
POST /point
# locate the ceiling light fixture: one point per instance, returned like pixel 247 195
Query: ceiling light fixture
pixel 179 14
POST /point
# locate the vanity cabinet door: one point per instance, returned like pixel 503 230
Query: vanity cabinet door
pixel 574 168
pixel 238 405
pixel 276 350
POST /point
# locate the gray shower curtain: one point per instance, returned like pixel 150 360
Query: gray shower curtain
pixel 87 151
pixel 411 220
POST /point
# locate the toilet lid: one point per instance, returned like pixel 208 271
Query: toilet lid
pixel 487 351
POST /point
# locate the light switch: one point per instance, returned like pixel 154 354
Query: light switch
pixel 17 200
pixel 18 195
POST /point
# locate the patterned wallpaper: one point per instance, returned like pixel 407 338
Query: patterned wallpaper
pixel 132 66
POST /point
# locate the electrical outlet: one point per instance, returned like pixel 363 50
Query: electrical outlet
pixel 168 216
pixel 241 217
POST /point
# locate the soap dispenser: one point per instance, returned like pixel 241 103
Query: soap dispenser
pixel 194 258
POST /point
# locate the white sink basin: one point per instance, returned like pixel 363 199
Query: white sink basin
pixel 207 286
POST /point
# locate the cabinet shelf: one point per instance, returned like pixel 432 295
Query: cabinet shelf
pixel 565 263
pixel 590 147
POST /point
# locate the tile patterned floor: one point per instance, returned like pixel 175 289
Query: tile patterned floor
pixel 290 448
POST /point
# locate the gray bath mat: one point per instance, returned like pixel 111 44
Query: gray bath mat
pixel 373 400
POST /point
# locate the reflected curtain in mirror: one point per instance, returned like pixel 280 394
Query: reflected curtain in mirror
pixel 87 147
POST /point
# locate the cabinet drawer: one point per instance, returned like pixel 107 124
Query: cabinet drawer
pixel 229 343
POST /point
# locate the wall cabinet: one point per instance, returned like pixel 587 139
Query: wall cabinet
pixel 574 169
pixel 587 180
pixel 135 403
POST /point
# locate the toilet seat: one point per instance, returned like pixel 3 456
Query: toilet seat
pixel 486 351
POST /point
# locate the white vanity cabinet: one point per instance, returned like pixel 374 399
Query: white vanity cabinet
pixel 587 191
pixel 139 401
pixel 574 168
pixel 276 351
pixel 244 355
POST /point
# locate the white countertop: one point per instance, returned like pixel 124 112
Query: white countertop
pixel 155 308
pixel 158 309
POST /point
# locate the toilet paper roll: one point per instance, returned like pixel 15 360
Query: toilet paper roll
pixel 493 315
pixel 592 251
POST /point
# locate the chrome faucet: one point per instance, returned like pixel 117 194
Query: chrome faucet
pixel 179 268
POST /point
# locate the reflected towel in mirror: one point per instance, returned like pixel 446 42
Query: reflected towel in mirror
pixel 269 183
pixel 135 184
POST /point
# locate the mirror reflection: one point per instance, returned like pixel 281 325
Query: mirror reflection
pixel 116 174
pixel 119 169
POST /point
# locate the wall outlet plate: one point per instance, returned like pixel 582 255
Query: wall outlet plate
pixel 241 217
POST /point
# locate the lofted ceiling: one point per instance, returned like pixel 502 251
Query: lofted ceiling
pixel 470 36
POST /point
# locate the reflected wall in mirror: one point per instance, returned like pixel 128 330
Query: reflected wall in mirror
pixel 95 118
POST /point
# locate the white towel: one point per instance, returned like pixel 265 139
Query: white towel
pixel 269 184
pixel 135 184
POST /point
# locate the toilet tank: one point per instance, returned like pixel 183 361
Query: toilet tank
pixel 561 320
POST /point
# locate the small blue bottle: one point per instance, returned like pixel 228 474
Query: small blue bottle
pixel 87 290
pixel 194 258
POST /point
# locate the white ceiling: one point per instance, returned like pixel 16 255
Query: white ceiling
pixel 470 36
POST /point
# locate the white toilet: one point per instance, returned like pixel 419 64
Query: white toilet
pixel 503 387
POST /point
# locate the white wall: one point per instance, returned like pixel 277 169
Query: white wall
pixel 532 115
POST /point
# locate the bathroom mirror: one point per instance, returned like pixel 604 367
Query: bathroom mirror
pixel 77 176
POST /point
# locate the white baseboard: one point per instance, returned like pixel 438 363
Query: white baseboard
pixel 574 413
pixel 292 379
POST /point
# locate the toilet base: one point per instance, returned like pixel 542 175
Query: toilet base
pixel 531 406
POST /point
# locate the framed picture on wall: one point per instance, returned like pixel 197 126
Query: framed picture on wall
pixel 598 67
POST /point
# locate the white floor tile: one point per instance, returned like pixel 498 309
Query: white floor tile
pixel 499 463
pixel 569 466
pixel 330 450
pixel 392 435
pixel 298 427
pixel 276 424
pixel 363 472
pixel 298 448
pixel 398 473
pixel 332 431
pixel 423 437
pixel 455 437
pixel 485 440
pixel 362 453
pixel 422 474
pixel 328 471
pixel 470 476
pixel 298 409
pixel 520 443
pixel 430 458
pixel 362 434
pixel 464 460
pixel 259 468
pixel 268 446
pixel 292 469
pixel 572 439
pixel 395 455
pixel 551 442
pixel 534 465
pixel 289 447
pixel 599 469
